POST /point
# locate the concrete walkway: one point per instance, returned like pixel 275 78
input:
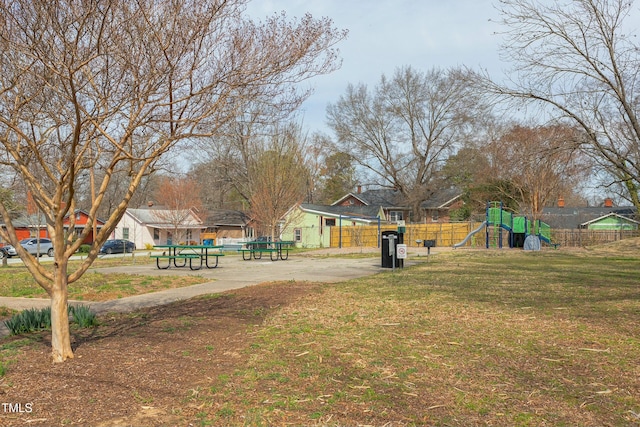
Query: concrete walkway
pixel 232 273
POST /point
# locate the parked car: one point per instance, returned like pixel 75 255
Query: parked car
pixel 37 247
pixel 116 246
pixel 265 239
pixel 7 251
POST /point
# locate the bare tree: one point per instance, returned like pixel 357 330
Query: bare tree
pixel 578 60
pixel 278 180
pixel 337 177
pixel 110 86
pixel 539 164
pixel 180 199
pixel 403 130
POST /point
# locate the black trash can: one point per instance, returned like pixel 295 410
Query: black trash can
pixel 391 239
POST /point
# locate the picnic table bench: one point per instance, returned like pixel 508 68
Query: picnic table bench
pixel 190 253
pixel 276 250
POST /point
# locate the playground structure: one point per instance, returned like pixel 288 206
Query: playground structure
pixel 501 225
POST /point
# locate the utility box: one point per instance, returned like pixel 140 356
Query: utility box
pixel 389 254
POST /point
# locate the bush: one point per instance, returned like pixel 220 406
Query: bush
pixel 84 249
pixel 148 246
pixel 33 320
pixel 83 316
pixel 30 320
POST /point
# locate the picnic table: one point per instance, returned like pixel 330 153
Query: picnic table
pixel 276 250
pixel 178 255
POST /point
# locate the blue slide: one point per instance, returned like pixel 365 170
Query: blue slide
pixel 466 239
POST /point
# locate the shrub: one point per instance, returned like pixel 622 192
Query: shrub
pixel 83 316
pixel 148 246
pixel 33 320
pixel 84 249
pixel 30 320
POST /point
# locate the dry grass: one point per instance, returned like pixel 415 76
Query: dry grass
pixel 490 337
pixel 484 337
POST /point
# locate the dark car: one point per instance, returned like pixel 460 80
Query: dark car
pixel 264 241
pixel 117 246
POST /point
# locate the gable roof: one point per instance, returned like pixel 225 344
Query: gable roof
pixel 610 215
pixel 364 213
pixel 348 196
pixel 160 218
pixel 569 218
pixel 31 221
pixel 442 199
pixel 385 197
pixel 225 217
pixel 389 198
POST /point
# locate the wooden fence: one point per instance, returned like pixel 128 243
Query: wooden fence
pixel 448 234
pixel 580 237
pixel 445 234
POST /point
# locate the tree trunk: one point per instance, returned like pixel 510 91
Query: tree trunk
pixel 416 212
pixel 60 337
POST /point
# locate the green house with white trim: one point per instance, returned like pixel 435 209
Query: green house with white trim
pixel 309 225
pixel 611 221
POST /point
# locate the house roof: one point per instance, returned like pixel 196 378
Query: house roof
pixel 442 199
pixel 350 195
pixel 610 215
pixel 31 221
pixel 390 198
pixel 225 217
pixel 569 217
pixel 365 213
pixel 160 218
pixel 385 197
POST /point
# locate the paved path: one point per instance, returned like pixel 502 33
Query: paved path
pixel 232 273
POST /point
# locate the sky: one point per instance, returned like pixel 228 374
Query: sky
pixel 387 34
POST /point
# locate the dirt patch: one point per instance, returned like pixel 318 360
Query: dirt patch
pixel 143 368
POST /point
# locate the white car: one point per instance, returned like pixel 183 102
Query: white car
pixel 31 245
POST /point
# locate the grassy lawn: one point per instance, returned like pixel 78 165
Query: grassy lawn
pixel 467 337
pixel 15 281
pixel 472 337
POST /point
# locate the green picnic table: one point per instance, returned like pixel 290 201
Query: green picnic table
pixel 178 255
pixel 276 250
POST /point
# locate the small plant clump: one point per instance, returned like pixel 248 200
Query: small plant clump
pixel 83 316
pixel 33 320
pixel 30 320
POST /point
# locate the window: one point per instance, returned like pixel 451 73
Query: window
pixel 189 236
pixel 330 222
pixel 435 216
pixel 125 233
pixel 395 216
pixel 297 235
